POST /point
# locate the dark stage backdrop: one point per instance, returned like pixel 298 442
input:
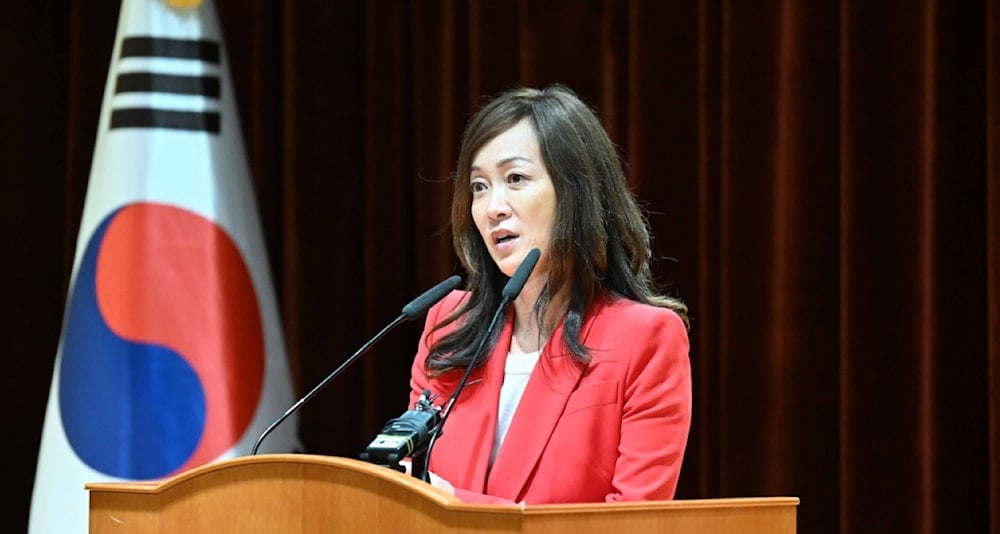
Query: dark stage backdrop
pixel 822 178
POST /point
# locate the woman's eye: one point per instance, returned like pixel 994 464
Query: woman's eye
pixel 477 187
pixel 515 178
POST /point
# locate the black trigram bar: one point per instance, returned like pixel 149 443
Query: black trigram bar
pixel 207 121
pixel 207 51
pixel 149 82
pixel 207 86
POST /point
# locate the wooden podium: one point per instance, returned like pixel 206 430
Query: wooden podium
pixel 302 493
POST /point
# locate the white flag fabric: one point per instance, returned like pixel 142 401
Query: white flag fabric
pixel 172 353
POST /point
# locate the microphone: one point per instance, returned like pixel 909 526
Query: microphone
pixel 516 283
pixel 411 311
pixel 510 292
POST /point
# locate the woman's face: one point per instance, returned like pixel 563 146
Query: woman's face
pixel 513 199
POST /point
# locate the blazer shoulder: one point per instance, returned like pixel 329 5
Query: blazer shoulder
pixel 640 314
pixel 449 303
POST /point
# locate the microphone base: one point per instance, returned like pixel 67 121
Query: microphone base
pixel 418 467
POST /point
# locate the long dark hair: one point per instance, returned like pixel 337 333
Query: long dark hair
pixel 600 241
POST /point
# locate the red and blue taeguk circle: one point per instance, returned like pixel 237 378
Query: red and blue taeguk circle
pixel 163 350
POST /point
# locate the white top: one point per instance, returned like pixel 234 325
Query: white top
pixel 517 370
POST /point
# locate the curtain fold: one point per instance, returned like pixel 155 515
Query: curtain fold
pixel 821 179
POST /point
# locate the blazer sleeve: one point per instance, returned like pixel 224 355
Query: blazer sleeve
pixel 656 414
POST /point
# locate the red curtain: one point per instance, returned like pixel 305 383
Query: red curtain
pixel 822 181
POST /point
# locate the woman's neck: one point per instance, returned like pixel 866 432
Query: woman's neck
pixel 529 335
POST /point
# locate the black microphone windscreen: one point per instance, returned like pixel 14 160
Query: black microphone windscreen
pixel 516 282
pixel 421 304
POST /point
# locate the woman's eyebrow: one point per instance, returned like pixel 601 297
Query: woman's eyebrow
pixel 504 162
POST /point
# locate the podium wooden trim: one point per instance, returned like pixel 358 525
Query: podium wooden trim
pixel 303 493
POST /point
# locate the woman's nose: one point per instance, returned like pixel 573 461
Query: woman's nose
pixel 498 207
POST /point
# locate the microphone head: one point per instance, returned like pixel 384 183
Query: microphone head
pixel 421 304
pixel 516 282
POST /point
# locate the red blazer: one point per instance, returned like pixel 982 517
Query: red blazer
pixel 613 430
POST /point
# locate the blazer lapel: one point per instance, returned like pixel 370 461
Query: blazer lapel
pixel 553 379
